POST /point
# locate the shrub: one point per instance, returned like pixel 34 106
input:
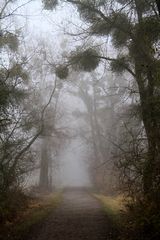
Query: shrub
pixel 11 203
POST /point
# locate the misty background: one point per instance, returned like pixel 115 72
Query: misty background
pixel 80 104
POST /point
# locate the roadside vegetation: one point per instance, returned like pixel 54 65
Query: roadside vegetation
pixel 37 209
pixel 113 69
pixel 114 206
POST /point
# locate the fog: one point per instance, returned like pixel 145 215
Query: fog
pixel 80 113
pixel 73 170
pixel 72 160
pixel 80 107
pixel 40 24
pixel 77 113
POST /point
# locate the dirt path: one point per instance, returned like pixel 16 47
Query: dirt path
pixel 79 216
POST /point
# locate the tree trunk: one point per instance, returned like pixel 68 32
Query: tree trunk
pixel 44 167
pixel 151 123
pixel 158 5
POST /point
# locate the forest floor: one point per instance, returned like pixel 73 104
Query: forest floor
pixel 38 208
pixel 78 216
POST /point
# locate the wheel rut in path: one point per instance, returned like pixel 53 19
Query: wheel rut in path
pixel 79 216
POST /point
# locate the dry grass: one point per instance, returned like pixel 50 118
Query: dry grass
pixel 37 210
pixel 113 205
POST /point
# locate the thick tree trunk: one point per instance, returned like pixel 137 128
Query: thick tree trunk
pixel 149 109
pixel 158 5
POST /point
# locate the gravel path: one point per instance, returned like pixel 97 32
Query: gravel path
pixel 79 216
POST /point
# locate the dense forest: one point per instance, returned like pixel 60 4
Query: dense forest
pixel 94 82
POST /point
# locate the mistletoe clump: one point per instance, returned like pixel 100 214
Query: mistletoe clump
pixel 86 60
pixel 62 71
pixel 50 4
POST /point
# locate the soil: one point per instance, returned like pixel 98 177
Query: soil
pixel 78 216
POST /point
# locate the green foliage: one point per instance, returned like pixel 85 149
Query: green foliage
pixel 4 92
pixel 101 27
pixel 50 4
pixel 86 10
pixel 120 64
pixel 13 137
pixel 17 71
pixel 10 40
pixel 62 71
pixel 13 76
pixel 86 60
pixel 9 95
pixel 9 92
pixel 116 24
pixel 149 29
pixel 121 28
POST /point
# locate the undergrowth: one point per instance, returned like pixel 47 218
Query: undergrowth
pixel 36 211
pixel 134 220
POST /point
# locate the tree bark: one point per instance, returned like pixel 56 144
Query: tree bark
pixel 151 124
pixel 158 6
pixel 44 167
